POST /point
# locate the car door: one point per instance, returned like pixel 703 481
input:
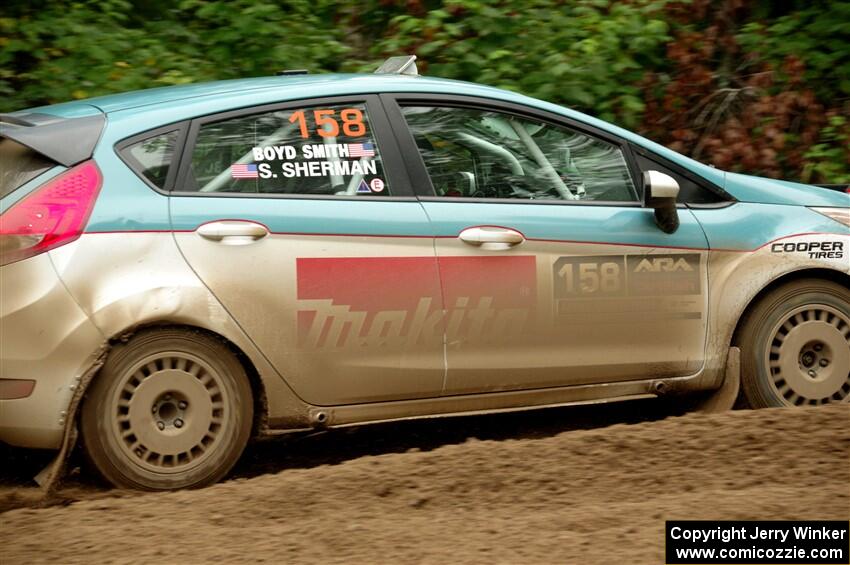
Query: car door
pixel 300 220
pixel 552 271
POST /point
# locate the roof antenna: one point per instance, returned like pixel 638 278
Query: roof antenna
pixel 401 65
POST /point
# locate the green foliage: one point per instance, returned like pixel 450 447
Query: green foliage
pixel 828 159
pixel 63 51
pixel 818 34
pixel 810 49
pixel 632 62
pixel 586 54
pixel 71 50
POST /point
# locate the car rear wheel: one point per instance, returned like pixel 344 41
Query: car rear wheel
pixel 795 346
pixel 171 408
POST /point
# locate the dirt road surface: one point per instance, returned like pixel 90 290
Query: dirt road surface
pixel 554 486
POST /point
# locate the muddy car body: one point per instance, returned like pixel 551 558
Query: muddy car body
pixel 186 267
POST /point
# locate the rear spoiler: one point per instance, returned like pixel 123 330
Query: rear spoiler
pixel 838 187
pixel 67 141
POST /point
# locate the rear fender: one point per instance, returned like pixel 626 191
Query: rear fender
pixel 124 281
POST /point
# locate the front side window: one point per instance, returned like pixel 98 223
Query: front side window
pixel 325 150
pixel 485 154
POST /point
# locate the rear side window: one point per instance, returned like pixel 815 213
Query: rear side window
pixel 327 150
pixel 18 165
pixel 152 157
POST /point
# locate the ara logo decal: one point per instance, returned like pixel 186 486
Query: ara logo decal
pixel 408 302
pixel 623 288
pixel 663 275
pixel 605 276
pixel 663 264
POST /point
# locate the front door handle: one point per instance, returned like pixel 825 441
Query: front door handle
pixel 491 237
pixel 233 232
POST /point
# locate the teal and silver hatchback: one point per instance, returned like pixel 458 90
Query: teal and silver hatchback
pixel 186 268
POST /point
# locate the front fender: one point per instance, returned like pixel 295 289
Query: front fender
pixel 737 278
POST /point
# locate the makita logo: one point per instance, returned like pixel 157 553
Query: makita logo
pixel 402 303
pixel 663 265
pixel 338 326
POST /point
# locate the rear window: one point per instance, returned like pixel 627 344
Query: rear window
pixel 18 165
pixel 151 157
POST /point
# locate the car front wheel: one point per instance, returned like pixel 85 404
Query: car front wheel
pixel 795 346
pixel 171 408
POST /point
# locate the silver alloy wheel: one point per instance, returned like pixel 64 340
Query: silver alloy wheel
pixel 808 356
pixel 169 411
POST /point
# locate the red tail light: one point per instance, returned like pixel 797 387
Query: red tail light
pixel 53 215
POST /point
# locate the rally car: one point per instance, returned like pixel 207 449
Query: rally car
pixel 185 268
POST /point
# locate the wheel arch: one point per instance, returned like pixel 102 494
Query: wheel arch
pixel 806 273
pixel 258 386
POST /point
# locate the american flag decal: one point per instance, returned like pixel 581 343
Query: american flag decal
pixel 240 171
pixel 361 150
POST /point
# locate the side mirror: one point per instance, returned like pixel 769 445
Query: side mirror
pixel 660 192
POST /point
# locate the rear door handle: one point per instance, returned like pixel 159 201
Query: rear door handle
pixel 233 232
pixel 491 237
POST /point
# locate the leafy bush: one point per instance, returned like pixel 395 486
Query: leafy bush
pixel 758 86
pixel 586 54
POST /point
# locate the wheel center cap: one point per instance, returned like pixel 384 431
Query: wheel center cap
pixel 170 411
pixel 815 359
pixel 167 411
pixel 807 360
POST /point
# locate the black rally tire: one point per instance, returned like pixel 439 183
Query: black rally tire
pixel 795 346
pixel 171 408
